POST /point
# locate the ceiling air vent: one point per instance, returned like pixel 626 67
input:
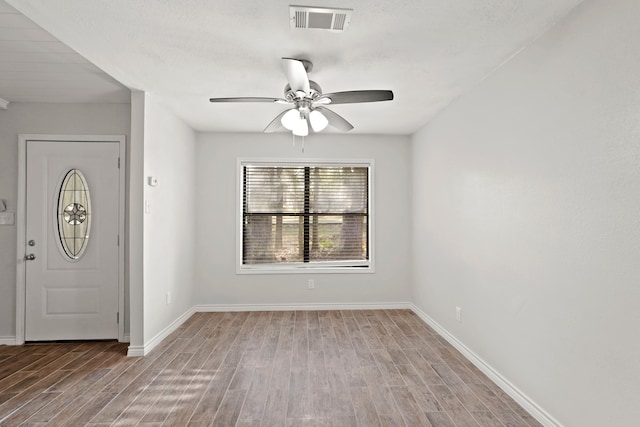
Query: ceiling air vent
pixel 319 18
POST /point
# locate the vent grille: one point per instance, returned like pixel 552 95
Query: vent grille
pixel 339 20
pixel 300 19
pixel 319 18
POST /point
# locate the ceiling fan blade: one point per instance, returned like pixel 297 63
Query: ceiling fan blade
pixel 276 124
pixel 296 75
pixel 336 120
pixel 355 96
pixel 248 99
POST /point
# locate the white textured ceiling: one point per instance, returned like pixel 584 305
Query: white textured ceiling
pixel 185 51
pixel 36 67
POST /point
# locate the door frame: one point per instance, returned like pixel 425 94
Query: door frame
pixel 21 222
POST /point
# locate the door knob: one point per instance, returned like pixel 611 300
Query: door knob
pixel 30 257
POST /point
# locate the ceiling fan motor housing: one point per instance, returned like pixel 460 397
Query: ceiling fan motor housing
pixel 314 92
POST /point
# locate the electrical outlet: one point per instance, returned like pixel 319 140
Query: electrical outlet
pixel 311 284
pixel 168 298
pixel 459 314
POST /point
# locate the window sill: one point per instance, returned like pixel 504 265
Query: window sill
pixel 304 269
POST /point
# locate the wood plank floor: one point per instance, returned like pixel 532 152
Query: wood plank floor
pixel 301 368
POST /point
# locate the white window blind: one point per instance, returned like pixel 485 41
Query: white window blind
pixel 305 215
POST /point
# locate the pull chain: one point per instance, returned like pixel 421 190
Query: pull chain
pixel 293 139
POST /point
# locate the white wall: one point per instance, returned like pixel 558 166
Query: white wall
pixel 169 227
pixel 134 258
pixel 40 119
pixel 216 278
pixel 527 215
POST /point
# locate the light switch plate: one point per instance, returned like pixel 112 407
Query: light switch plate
pixel 7 218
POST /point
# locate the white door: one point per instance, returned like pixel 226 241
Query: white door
pixel 72 225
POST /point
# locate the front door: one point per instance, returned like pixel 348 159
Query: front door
pixel 72 253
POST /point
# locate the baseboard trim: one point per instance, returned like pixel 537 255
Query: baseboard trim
pixel 8 341
pixel 143 350
pixel 522 399
pixel 303 307
pixel 135 351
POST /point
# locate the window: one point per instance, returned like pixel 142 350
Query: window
pixel 73 214
pixel 305 215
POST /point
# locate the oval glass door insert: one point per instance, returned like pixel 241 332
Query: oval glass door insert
pixel 74 214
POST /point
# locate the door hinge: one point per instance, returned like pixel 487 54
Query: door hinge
pixel 118 240
pixel 117 317
pixel 118 162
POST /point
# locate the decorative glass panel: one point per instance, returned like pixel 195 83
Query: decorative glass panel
pixel 74 214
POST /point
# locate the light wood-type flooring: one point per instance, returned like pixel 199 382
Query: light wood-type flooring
pixel 297 368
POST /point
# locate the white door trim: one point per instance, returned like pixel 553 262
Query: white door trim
pixel 21 222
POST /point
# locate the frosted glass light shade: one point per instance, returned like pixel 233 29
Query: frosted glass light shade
pixel 301 128
pixel 318 121
pixel 290 119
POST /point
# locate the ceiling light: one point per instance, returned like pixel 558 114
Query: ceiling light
pixel 318 121
pixel 291 119
pixel 301 128
pixel 295 121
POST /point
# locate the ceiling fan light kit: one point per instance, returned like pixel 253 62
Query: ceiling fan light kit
pixel 296 122
pixel 309 102
pixel 318 121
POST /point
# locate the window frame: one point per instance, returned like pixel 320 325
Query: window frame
pixel 304 268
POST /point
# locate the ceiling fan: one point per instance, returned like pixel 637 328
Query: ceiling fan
pixel 309 103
